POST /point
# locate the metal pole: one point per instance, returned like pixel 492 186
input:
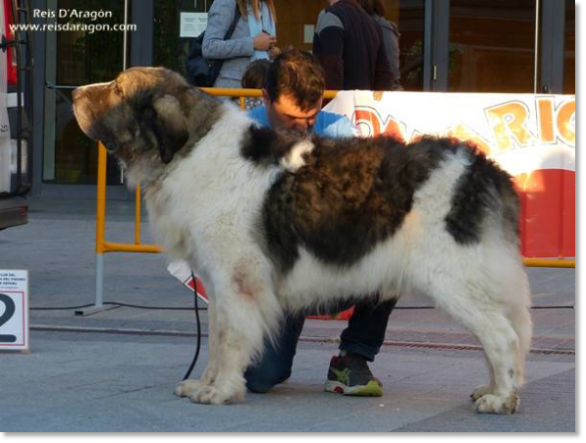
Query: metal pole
pixel 137 210
pixel 124 44
pixel 100 235
pixel 535 67
pixel 99 303
pixel 125 35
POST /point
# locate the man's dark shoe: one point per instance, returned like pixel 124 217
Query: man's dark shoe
pixel 350 375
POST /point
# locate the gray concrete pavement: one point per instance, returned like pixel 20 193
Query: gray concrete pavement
pixel 96 382
pixel 78 377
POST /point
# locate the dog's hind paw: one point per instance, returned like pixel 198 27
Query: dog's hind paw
pixel 492 404
pixel 187 387
pixel 480 391
pixel 214 395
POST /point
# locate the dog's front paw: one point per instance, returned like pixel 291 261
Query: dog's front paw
pixel 492 404
pixel 187 387
pixel 214 395
pixel 480 391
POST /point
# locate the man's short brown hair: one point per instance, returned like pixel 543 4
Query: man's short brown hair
pixel 298 74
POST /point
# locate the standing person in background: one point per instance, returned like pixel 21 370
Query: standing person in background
pixel 390 32
pixel 349 45
pixel 253 38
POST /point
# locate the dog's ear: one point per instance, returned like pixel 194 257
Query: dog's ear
pixel 169 126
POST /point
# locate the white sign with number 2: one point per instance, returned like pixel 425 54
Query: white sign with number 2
pixel 14 328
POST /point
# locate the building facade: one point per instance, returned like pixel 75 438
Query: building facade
pixel 510 46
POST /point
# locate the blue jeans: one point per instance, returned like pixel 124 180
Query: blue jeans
pixel 364 335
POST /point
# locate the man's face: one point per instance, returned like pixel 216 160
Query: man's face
pixel 284 113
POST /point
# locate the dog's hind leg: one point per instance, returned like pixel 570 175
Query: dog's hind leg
pixel 517 297
pixel 471 304
pixel 519 315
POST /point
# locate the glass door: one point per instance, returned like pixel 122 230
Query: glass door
pixel 176 22
pixel 409 16
pixel 85 45
pixel 492 46
pixel 570 48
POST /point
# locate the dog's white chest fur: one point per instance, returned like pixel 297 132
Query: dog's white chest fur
pixel 206 209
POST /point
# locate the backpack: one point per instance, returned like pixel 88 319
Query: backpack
pixel 201 71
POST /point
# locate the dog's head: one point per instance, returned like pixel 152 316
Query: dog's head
pixel 138 113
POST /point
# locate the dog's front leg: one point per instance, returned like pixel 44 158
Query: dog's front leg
pixel 244 306
pixel 187 387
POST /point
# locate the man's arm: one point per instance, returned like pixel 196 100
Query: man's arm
pixel 214 45
pixel 391 41
pixel 328 46
pixel 335 126
pixel 259 115
pixel 383 76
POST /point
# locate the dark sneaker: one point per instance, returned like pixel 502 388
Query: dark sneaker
pixel 350 375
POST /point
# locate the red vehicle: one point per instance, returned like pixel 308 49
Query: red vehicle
pixel 14 123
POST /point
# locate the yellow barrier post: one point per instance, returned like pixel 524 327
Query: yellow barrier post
pixel 549 263
pixel 101 225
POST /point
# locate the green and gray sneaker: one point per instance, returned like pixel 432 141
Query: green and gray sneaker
pixel 350 375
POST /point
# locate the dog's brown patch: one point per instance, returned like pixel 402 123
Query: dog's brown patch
pixel 244 284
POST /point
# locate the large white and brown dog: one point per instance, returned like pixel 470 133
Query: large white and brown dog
pixel 274 222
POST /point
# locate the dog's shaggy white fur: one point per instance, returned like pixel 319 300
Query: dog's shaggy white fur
pixel 205 205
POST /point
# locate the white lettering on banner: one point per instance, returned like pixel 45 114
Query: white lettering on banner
pixel 14 327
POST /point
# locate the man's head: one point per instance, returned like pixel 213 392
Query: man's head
pixel 294 90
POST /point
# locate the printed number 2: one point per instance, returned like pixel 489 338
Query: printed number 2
pixel 8 313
